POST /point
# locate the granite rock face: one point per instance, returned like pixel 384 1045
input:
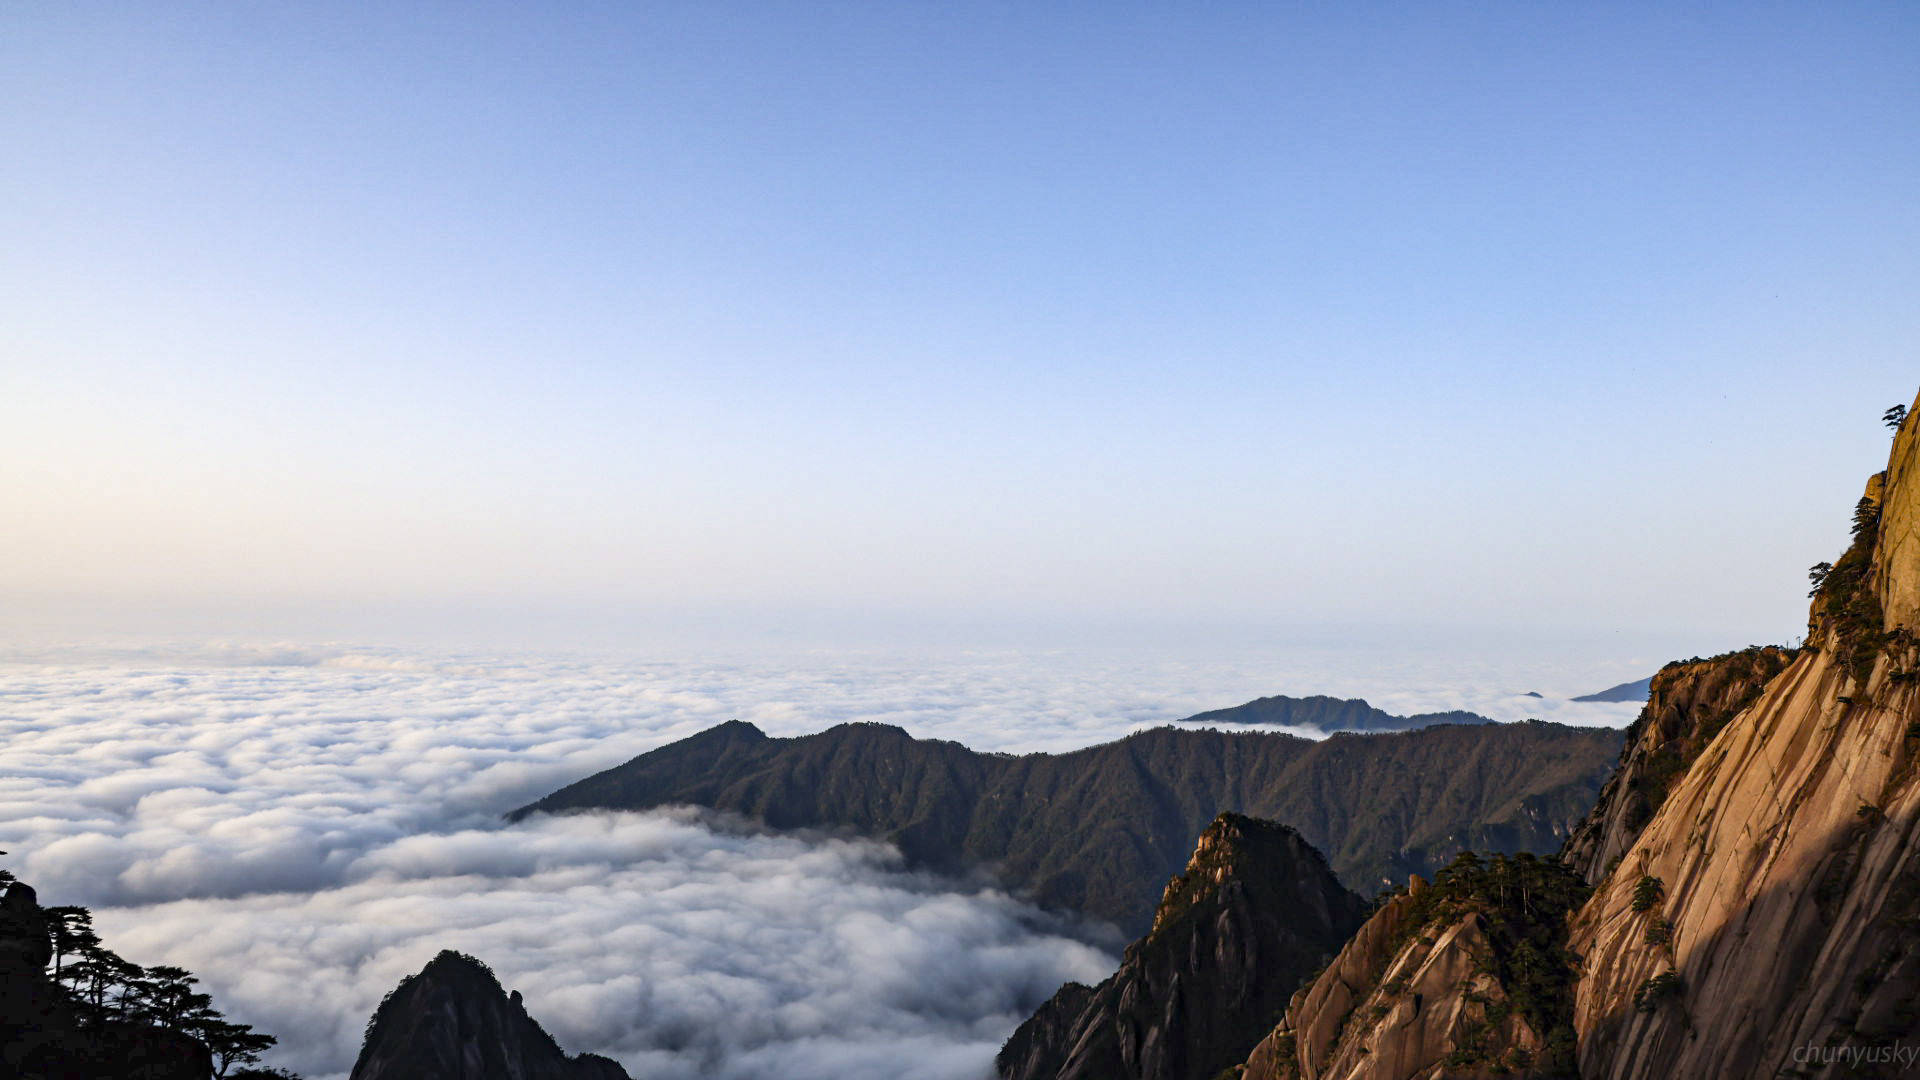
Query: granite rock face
pixel 1755 874
pixel 1688 704
pixel 1418 1012
pixel 1469 976
pixel 1764 921
pixel 1253 912
pixel 453 1021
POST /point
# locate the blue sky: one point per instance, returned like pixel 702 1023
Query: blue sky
pixel 1363 320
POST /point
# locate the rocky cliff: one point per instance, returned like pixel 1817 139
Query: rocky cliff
pixel 1763 921
pixel 453 1021
pixel 1096 831
pixel 1469 976
pixel 1688 702
pixel 1255 909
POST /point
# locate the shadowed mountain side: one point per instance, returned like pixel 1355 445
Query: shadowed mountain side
pixel 452 1021
pixel 1254 911
pixel 1328 714
pixel 1097 831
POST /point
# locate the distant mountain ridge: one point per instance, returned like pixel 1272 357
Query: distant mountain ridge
pixel 1328 714
pixel 1098 831
pixel 1637 690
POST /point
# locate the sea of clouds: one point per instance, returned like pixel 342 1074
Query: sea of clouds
pixel 303 827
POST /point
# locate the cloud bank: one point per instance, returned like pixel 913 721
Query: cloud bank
pixel 305 826
pixel 679 950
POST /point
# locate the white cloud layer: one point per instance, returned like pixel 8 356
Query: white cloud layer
pixel 679 950
pixel 305 826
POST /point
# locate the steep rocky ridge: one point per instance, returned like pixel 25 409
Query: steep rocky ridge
pixel 1097 830
pixel 452 1021
pixel 1763 922
pixel 1687 705
pixel 1469 976
pixel 1255 909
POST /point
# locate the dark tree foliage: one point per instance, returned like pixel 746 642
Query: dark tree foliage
pixel 1525 902
pixel 1657 991
pixel 1894 417
pixel 99 990
pixel 1659 931
pixel 1648 891
pixel 1845 598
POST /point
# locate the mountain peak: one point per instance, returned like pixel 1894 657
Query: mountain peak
pixel 452 1021
pixel 1254 911
pixel 1231 847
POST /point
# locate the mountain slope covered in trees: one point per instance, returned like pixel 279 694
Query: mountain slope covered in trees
pixel 1099 830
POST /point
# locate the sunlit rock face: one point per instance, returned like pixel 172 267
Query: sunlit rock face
pixel 1763 922
pixel 1468 976
pixel 1255 909
pixel 1688 704
pixel 453 1021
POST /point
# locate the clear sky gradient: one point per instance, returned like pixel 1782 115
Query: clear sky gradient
pixel 1559 321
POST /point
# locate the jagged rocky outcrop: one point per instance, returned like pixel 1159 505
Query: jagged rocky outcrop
pixel 1329 714
pixel 1255 909
pixel 1688 702
pixel 1469 976
pixel 453 1021
pixel 1763 922
pixel 1097 830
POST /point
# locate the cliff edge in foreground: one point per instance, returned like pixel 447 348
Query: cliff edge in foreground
pixel 1764 921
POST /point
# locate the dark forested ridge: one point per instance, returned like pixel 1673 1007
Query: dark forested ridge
pixel 1328 714
pixel 1100 830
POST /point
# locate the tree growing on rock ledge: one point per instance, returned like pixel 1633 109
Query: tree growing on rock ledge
pixel 70 1006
